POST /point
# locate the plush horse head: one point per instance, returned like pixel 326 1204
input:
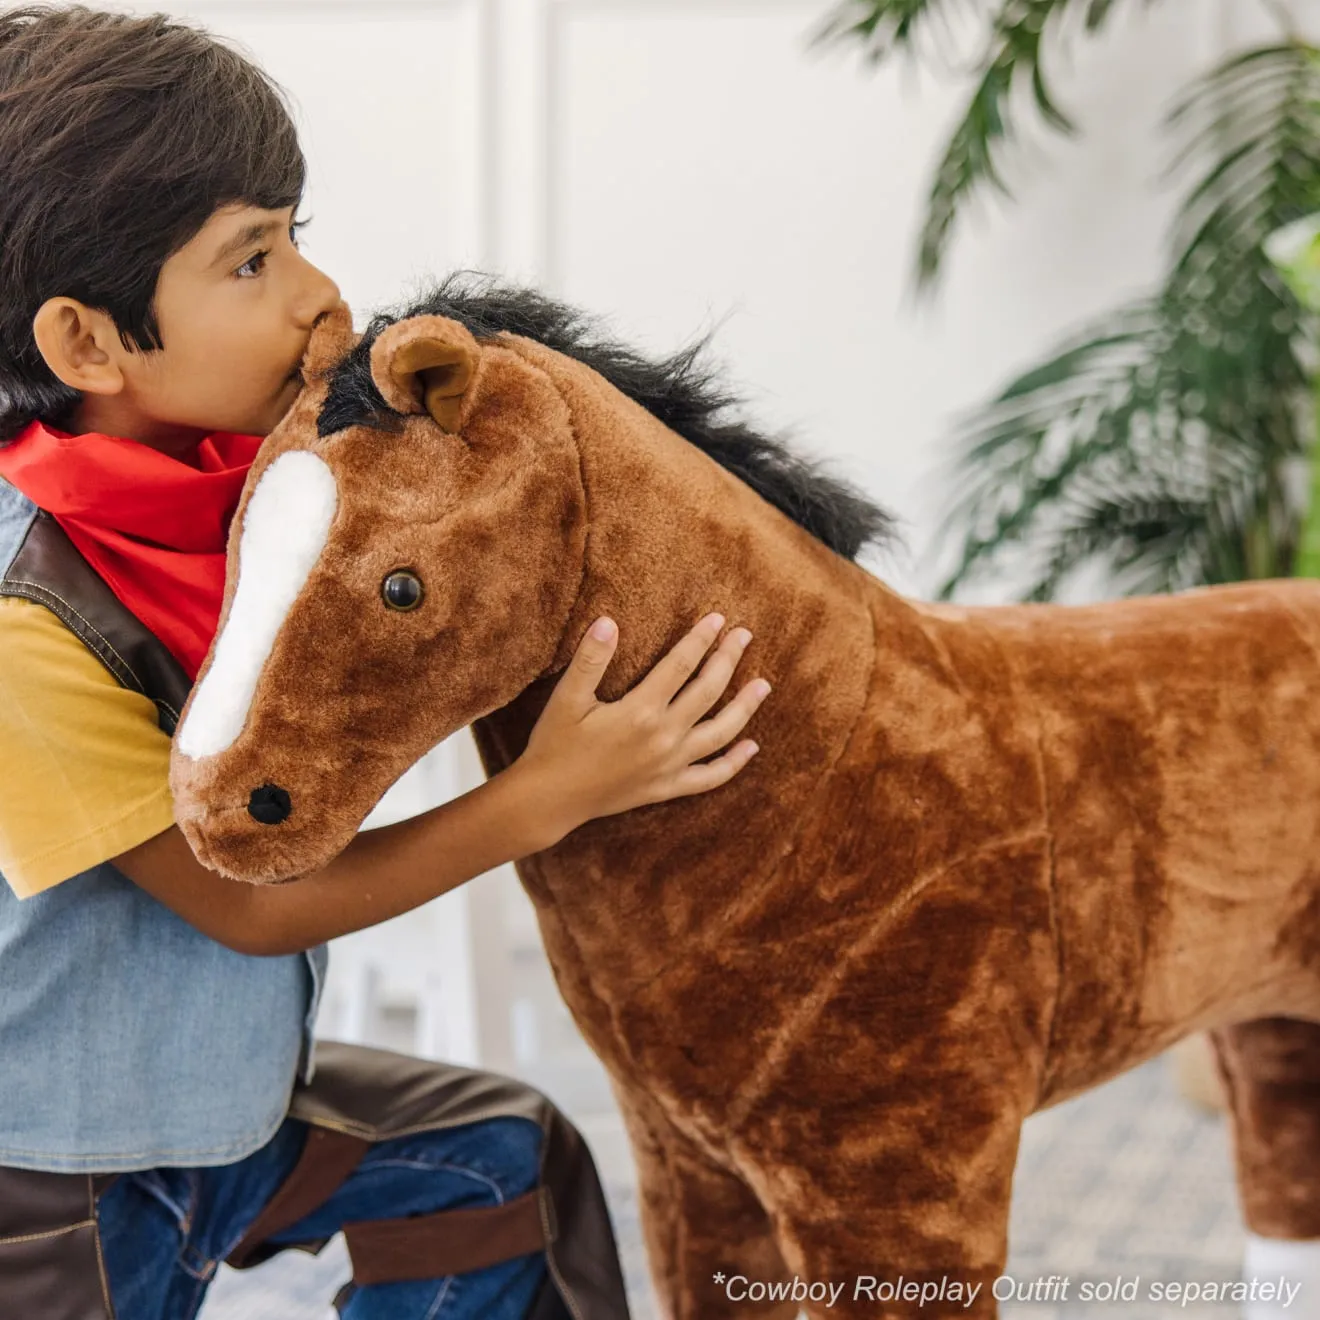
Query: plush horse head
pixel 984 859
pixel 427 535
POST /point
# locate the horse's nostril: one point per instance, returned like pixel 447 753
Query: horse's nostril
pixel 270 804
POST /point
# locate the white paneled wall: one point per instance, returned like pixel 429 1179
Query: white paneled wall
pixel 677 164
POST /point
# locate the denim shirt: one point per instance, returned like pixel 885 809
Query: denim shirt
pixel 129 1040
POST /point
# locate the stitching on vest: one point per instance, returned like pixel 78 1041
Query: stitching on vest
pixel 96 641
pixel 49 1233
pixel 45 596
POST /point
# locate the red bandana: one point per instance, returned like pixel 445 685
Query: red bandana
pixel 152 527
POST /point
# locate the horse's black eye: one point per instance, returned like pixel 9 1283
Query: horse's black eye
pixel 402 590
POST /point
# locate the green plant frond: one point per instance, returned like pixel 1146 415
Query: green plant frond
pixel 1101 362
pixel 1194 394
pixel 1050 112
pixel 1244 168
pixel 1107 343
pixel 1011 57
pixel 1252 203
pixel 1240 116
pixel 968 161
pixel 1156 441
pixel 1163 532
pixel 883 27
pixel 971 159
pixel 1255 121
pixel 1096 13
pixel 1268 64
pixel 1145 537
pixel 1160 525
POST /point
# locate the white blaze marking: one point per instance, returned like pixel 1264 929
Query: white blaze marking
pixel 285 528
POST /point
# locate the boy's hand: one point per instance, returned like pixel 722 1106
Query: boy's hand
pixel 599 758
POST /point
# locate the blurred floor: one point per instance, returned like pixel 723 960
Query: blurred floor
pixel 1129 1180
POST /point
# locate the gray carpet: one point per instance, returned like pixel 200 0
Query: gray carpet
pixel 1128 1182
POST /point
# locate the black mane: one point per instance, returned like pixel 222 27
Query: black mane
pixel 682 391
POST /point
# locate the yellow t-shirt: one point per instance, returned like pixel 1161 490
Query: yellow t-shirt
pixel 85 763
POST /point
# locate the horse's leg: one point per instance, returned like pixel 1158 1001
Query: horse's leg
pixel 1271 1072
pixel 698 1221
pixel 902 1206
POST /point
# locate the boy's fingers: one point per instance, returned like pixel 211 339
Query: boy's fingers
pixel 713 680
pixel 711 774
pixel 674 669
pixel 592 657
pixel 712 734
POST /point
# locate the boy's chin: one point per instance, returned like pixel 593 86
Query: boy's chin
pixel 281 405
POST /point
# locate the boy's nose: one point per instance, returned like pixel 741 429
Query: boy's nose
pixel 270 804
pixel 318 298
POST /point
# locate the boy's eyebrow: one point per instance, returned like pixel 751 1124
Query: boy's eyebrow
pixel 246 236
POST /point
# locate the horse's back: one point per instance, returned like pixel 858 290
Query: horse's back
pixel 1179 742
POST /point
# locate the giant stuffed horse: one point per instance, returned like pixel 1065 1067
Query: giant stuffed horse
pixel 987 857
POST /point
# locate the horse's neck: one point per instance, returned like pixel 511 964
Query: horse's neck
pixel 673 536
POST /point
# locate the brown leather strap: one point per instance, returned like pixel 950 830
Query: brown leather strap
pixel 327 1159
pixel 448 1242
pixel 381 1095
pixel 49 570
pixel 374 1095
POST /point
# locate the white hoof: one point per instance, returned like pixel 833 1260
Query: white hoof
pixel 1285 1277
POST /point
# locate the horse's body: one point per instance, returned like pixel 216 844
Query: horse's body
pixel 986 858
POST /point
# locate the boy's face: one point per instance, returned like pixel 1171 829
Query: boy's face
pixel 235 307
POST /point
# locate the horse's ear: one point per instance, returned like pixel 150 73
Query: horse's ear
pixel 330 340
pixel 427 364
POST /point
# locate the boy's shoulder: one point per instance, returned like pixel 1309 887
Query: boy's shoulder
pixel 86 763
pixel 31 634
pixel 39 650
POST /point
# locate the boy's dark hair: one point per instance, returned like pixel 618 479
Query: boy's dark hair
pixel 119 138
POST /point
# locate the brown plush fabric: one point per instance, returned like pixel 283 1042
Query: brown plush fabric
pixel 986 858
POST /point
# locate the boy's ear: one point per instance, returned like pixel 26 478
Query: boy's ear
pixel 74 340
pixel 428 364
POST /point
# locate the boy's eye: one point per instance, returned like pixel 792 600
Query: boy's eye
pixel 253 265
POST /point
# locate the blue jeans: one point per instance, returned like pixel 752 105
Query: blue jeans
pixel 164 1231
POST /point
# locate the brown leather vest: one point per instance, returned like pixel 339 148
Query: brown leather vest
pixel 48 570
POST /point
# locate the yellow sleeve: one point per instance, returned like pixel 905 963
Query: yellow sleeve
pixel 86 765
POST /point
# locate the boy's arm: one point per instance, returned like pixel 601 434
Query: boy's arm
pixel 585 758
pixel 381 874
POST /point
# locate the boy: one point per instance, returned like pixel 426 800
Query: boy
pixel 154 1017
